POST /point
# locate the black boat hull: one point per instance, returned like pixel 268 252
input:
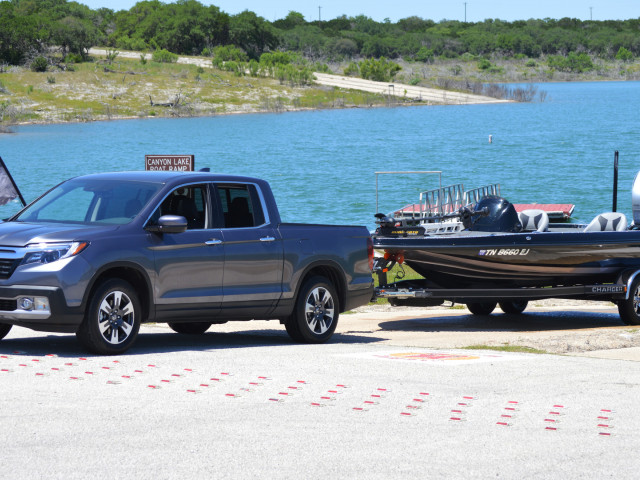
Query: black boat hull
pixel 520 259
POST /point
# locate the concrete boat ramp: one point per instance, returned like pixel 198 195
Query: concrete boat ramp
pixel 430 95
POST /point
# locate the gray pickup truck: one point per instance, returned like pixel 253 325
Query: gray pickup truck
pixel 100 254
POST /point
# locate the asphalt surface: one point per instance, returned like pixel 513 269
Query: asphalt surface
pixel 243 401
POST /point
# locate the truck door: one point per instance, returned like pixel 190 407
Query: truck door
pixel 189 265
pixel 254 255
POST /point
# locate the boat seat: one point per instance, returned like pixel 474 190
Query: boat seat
pixel 534 219
pixel 608 222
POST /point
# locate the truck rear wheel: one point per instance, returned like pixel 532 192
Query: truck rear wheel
pixel 4 330
pixel 112 320
pixel 482 308
pixel 514 307
pixel 316 312
pixel 190 328
pixel 629 309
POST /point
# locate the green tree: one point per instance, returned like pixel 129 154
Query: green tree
pixel 291 21
pixel 75 35
pixel 253 33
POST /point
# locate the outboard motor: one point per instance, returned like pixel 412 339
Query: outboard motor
pixel 494 214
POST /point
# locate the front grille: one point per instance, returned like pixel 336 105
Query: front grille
pixel 7 266
pixel 8 305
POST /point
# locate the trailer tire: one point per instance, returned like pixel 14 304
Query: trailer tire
pixel 629 309
pixel 482 308
pixel 4 330
pixel 514 307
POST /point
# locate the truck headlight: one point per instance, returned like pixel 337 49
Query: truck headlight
pixel 50 252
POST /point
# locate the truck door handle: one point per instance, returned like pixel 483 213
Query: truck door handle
pixel 267 239
pixel 213 241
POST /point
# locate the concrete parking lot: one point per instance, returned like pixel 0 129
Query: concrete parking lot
pixel 387 398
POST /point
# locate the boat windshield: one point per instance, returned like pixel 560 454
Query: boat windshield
pixel 90 201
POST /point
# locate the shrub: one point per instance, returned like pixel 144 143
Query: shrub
pixel 484 64
pixel 574 62
pixel 381 70
pixel 164 56
pixel 425 55
pixel 352 70
pixel 531 63
pixel 39 64
pixel 624 55
pixel 51 79
pixel 254 68
pixel 111 55
pixel 228 53
pixel 321 67
pixel 73 58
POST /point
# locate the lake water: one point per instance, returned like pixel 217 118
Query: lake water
pixel 321 164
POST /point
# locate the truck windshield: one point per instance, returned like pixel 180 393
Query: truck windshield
pixel 90 201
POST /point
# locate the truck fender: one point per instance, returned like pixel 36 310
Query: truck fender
pixel 330 270
pixel 117 270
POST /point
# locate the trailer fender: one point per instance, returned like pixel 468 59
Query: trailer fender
pixel 626 278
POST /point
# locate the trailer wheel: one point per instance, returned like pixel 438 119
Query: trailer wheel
pixel 482 308
pixel 4 330
pixel 629 309
pixel 316 312
pixel 515 307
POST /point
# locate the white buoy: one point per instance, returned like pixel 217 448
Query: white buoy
pixel 490 138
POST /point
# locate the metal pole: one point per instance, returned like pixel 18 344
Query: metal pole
pixel 615 182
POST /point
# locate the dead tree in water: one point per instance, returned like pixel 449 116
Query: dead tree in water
pixel 175 103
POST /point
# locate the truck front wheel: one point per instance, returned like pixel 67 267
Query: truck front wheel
pixel 4 330
pixel 316 312
pixel 112 321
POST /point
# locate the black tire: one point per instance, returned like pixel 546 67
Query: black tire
pixel 629 309
pixel 4 329
pixel 414 302
pixel 482 308
pixel 514 307
pixel 112 320
pixel 316 312
pixel 190 328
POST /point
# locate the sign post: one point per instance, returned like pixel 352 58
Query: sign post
pixel 175 163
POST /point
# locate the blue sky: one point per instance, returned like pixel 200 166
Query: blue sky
pixel 476 10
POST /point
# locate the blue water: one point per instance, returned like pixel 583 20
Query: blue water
pixel 321 164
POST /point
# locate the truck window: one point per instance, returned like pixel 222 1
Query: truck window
pixel 240 206
pixel 189 202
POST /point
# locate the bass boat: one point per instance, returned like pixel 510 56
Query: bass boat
pixel 502 254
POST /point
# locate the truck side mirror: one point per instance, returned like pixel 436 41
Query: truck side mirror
pixel 169 224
